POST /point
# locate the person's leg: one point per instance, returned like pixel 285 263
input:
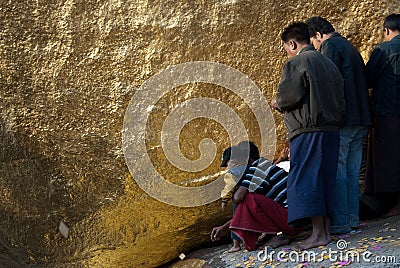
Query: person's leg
pixel 278 241
pixel 340 215
pixel 383 172
pixel 236 246
pixel 396 209
pixel 236 239
pixel 330 157
pixel 305 189
pixel 320 234
pixel 317 187
pixel 353 171
pixel 364 162
pixel 264 238
pixel 386 155
pixel 327 223
pixel 257 215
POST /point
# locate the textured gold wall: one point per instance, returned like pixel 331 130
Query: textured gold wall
pixel 68 70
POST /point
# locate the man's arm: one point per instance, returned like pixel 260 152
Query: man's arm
pixel 240 194
pixel 220 231
pixel 230 182
pixel 374 67
pixel 291 89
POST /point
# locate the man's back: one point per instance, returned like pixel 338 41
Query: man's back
pixel 267 179
pixel 383 71
pixel 311 93
pixel 351 65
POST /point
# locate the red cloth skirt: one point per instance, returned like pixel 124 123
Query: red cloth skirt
pixel 258 214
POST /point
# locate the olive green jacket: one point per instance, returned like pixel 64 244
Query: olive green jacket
pixel 311 94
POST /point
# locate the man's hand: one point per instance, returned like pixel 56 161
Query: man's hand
pixel 218 232
pixel 285 153
pixel 273 104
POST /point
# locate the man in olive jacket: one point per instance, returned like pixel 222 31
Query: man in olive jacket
pixel 311 96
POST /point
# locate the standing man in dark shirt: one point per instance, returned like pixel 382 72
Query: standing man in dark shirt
pixel 356 122
pixel 383 74
pixel 311 96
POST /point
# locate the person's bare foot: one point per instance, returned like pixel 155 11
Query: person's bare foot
pixel 234 249
pixel 277 241
pixel 390 214
pixel 320 235
pixel 393 212
pixel 312 242
pixel 264 238
pixel 236 246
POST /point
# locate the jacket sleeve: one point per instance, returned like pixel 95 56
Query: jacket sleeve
pixel 291 89
pixel 229 188
pixel 374 67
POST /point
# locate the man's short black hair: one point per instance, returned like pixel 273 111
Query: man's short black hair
pixel 392 22
pixel 254 152
pixel 297 31
pixel 319 24
pixel 238 153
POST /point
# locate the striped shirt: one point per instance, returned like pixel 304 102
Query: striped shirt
pixel 265 178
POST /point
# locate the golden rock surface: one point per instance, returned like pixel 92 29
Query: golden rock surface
pixel 68 70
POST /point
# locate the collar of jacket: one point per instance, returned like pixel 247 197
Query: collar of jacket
pixel 335 34
pixel 307 48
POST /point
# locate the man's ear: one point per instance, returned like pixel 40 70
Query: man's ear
pixel 318 36
pixel 293 45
